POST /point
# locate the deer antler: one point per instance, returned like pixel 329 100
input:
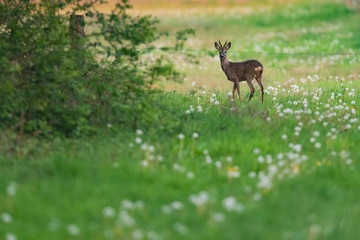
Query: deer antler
pixel 220 44
pixel 225 43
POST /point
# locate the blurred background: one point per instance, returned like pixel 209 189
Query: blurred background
pixel 293 39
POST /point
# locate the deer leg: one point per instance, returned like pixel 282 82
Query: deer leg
pixel 252 89
pixel 237 86
pixel 262 88
pixel 234 91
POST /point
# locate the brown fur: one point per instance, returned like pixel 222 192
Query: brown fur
pixel 241 71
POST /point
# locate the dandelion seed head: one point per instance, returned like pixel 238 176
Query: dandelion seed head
pixel 54 225
pixel 180 228
pixel 252 174
pixel 229 159
pixel 208 159
pixel 261 159
pixel 231 204
pixel 137 234
pixel 199 199
pixel 166 209
pixel 6 217
pixel 10 236
pixel 256 197
pixel 11 189
pixel 190 175
pixel 73 229
pixel 108 212
pixel 144 163
pixel 177 205
pixel 126 219
pixel 218 217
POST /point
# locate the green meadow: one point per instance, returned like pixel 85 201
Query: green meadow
pixel 287 169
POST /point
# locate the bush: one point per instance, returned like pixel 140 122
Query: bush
pixel 49 87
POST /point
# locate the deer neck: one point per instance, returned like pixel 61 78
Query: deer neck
pixel 224 64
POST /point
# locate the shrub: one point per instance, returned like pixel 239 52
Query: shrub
pixel 48 87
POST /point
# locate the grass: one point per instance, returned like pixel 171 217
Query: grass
pixel 285 169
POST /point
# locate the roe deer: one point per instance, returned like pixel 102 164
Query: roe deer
pixel 240 71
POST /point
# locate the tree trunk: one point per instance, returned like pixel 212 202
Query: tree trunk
pixel 77 31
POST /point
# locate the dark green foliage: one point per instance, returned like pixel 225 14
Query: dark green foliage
pixel 48 87
pixel 181 37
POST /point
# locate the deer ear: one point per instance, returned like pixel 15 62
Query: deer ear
pixel 217 46
pixel 228 45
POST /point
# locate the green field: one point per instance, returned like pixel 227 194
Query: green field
pixel 286 169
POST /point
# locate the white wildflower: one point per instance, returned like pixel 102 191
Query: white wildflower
pixel 180 228
pixel 190 175
pixel 137 234
pixel 252 174
pixel 260 159
pixel 108 212
pixel 73 229
pixel 229 159
pixel 218 164
pixel 256 151
pixel 218 217
pixel 11 189
pixel 54 225
pixel 199 199
pixel 177 205
pixel 231 204
pixel 152 235
pixel 6 218
pixel 10 236
pixel 126 219
pixel 256 197
pixel 166 209
pixel 144 163
pixel 208 159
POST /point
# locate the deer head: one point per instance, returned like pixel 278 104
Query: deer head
pixel 222 49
